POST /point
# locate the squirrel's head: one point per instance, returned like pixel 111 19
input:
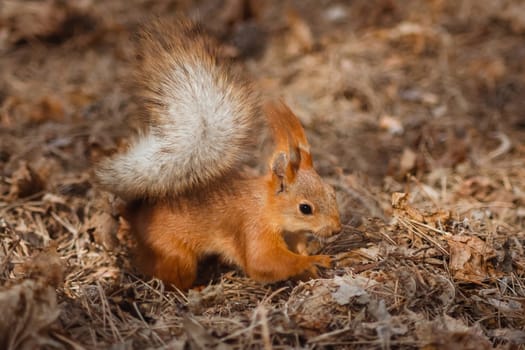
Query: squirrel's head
pixel 298 195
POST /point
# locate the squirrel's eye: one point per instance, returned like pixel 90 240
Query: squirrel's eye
pixel 306 209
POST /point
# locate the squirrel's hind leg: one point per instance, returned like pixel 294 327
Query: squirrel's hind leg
pixel 178 267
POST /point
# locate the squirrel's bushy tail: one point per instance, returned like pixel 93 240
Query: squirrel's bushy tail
pixel 199 123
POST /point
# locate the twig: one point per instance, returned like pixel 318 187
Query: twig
pixel 423 235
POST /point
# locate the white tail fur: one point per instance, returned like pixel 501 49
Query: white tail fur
pixel 200 120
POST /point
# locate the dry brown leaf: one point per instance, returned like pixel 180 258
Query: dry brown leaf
pixel 301 37
pixel 514 336
pixel 28 311
pixel 28 19
pixel 446 333
pixel 417 37
pixel 50 108
pixel 391 124
pixel 479 187
pixel 469 258
pixel 80 98
pixel 403 209
pixel 25 181
pixel 313 310
pixel 314 302
pixel 7 108
pixel 30 308
pixel 200 338
pixel 514 14
pixel 199 300
pixel 408 161
pixel 488 69
pixel 351 289
pixel 233 11
pixel 103 226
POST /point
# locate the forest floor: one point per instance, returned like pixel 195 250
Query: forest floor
pixel 415 111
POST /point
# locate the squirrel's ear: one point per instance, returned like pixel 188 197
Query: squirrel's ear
pixel 282 171
pixel 289 134
pixel 297 134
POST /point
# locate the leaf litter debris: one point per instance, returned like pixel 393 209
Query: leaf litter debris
pixel 415 114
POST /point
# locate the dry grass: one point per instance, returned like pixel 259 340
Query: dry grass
pixel 415 114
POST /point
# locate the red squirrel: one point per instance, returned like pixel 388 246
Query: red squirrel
pixel 182 176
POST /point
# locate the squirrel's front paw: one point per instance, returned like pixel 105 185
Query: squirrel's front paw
pixel 312 272
pixel 321 260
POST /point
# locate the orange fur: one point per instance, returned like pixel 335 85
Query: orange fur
pixel 242 224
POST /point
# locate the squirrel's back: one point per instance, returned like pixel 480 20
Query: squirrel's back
pixel 199 118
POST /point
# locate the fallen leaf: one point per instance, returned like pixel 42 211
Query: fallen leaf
pixel 507 306
pixel 49 108
pixel 391 124
pixel 514 336
pixel 350 288
pixel 469 258
pixel 313 303
pixel 446 332
pixel 103 226
pixel 25 181
pixel 28 311
pixel 199 337
pixel 300 33
pixel 335 13
pixel 29 19
pixel 514 14
pixel 403 209
pixel 408 161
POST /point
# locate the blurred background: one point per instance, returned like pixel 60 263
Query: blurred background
pixel 436 82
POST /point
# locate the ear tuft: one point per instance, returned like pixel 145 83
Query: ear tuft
pixel 295 158
pixel 289 134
